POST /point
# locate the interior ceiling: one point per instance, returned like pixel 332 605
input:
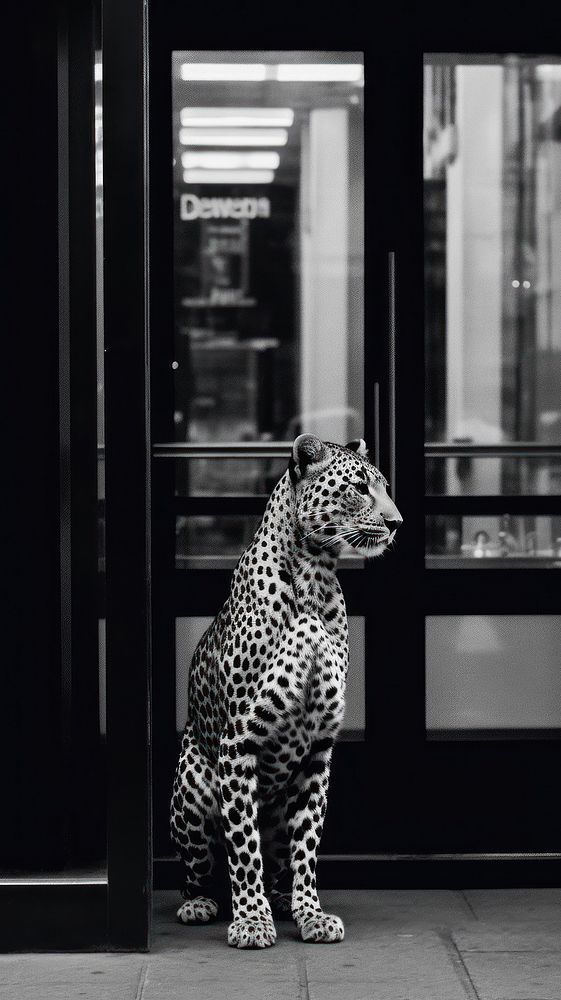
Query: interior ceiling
pixel 301 97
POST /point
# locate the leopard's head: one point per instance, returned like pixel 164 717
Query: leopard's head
pixel 341 498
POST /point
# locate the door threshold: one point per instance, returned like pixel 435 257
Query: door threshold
pixel 496 870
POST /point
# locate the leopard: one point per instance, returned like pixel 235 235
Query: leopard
pixel 266 699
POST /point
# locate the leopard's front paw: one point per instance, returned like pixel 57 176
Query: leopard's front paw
pixel 320 927
pixel 252 932
pixel 199 910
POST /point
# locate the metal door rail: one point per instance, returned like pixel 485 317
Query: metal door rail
pixel 515 449
pixel 223 449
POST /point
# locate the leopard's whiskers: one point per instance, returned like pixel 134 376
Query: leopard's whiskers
pixel 340 536
pixel 327 524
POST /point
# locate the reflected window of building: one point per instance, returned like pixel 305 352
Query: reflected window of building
pixel 492 208
pixel 486 540
pixel 492 182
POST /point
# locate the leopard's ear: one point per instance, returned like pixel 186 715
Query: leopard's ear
pixel 309 456
pixel 358 445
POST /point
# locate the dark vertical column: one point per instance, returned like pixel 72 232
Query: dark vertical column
pixel 124 47
pixel 394 224
pixel 165 749
pixel 77 393
pixel 29 484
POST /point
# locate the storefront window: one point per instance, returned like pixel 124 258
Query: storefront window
pixel 268 236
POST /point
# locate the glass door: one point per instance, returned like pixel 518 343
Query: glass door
pixel 266 195
pixel 278 313
pixel 493 429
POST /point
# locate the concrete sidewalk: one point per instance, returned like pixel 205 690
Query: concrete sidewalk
pixel 400 945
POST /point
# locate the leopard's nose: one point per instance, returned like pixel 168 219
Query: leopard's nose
pixel 389 512
pixel 392 524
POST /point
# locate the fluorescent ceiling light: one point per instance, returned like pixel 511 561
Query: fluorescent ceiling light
pixel 228 176
pixel 237 117
pixel 231 161
pixel 285 72
pixel 223 71
pixel 549 71
pixel 319 72
pixel 233 137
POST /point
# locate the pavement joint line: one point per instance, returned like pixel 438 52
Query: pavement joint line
pixel 303 986
pixel 511 951
pixel 467 901
pixel 141 982
pixel 460 966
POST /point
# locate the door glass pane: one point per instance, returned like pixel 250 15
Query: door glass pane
pixel 493 673
pixel 240 476
pixel 213 540
pixel 484 475
pixel 492 182
pixel 188 631
pixel 477 541
pixel 268 253
pixel 216 541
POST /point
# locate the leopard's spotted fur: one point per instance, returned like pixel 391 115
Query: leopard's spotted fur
pixel 267 696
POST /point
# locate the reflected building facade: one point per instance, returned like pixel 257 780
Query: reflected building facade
pixel 492 183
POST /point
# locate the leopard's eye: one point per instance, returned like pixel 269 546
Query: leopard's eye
pixel 361 488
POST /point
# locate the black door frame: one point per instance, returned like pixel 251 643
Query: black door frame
pixel 127 472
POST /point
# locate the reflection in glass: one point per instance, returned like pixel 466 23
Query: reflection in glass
pixel 213 540
pixel 240 476
pixel 188 631
pixel 218 540
pixel 493 672
pixel 268 252
pixel 483 542
pixel 481 475
pixel 492 181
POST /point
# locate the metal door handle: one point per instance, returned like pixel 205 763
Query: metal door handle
pixel 377 424
pixel 391 370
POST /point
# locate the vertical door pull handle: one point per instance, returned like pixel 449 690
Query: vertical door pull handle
pixel 377 424
pixel 391 369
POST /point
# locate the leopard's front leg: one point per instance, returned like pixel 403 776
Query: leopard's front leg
pixel 252 926
pixel 305 816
